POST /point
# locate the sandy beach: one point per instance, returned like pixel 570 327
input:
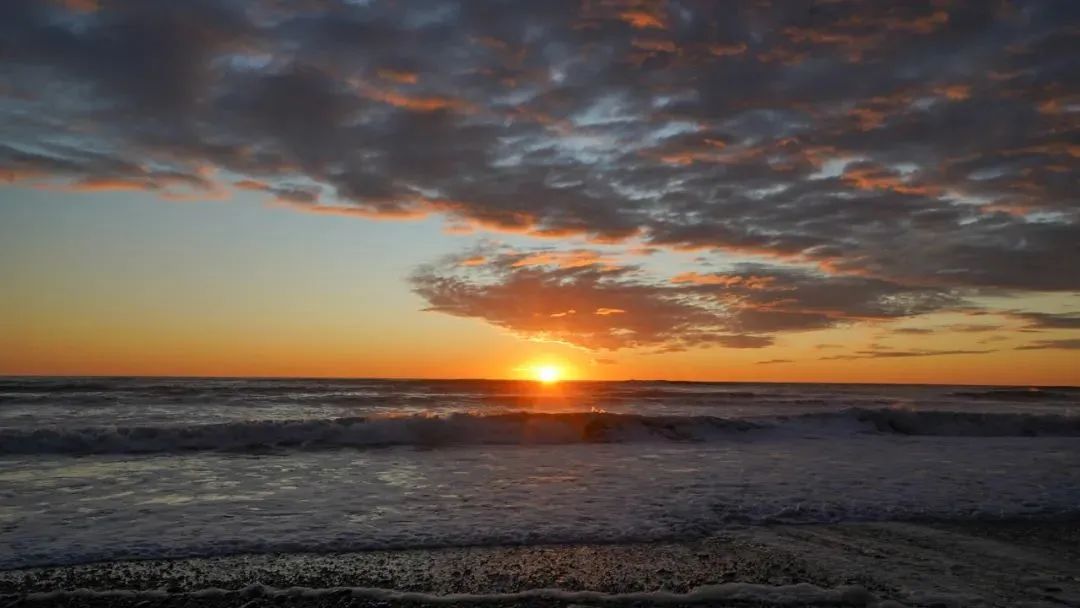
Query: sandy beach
pixel 1014 563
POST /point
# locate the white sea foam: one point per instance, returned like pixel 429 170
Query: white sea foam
pixel 212 503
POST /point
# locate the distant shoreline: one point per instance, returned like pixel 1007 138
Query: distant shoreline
pixel 529 381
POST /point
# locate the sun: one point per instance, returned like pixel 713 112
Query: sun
pixel 546 371
pixel 548 374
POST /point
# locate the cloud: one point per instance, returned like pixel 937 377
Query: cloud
pixel 777 298
pixel 285 193
pixel 571 258
pixel 1063 344
pixel 597 303
pixel 880 353
pixel 743 341
pixel 774 361
pixel 609 311
pixel 829 143
pixel 574 304
pixel 1044 320
pixel 956 327
pixel 727 280
pixel 971 328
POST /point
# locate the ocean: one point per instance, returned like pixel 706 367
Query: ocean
pixel 98 469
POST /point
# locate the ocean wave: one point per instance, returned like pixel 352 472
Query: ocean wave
pixel 514 429
pixel 455 429
pixel 53 386
pixel 1015 394
pixel 964 424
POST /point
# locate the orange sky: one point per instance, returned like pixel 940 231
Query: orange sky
pixel 869 192
pixel 84 296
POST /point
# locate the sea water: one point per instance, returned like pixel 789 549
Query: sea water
pixel 96 469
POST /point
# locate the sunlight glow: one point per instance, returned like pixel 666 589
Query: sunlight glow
pixel 547 374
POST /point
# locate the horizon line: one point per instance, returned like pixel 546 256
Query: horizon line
pixel 480 379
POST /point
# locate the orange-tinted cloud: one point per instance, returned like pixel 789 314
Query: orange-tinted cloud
pixel 419 104
pixel 476 260
pixel 609 311
pixel 738 310
pixel 654 45
pixel 918 23
pixel 105 184
pixel 81 6
pixel 250 184
pixel 649 15
pixel 859 32
pixel 573 258
pixel 727 50
pixel 398 76
pixel 870 176
pixel 541 303
pixel 726 280
pixel 955 92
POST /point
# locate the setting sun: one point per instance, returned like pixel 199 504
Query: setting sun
pixel 547 373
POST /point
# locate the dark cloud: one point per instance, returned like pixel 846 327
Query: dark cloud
pixel 1063 344
pixel 971 328
pixel 913 152
pixel 774 361
pixel 956 327
pixel 776 298
pixel 880 353
pixel 1043 320
pixel 740 341
pixel 916 331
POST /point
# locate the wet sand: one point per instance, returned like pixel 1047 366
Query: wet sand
pixel 1021 564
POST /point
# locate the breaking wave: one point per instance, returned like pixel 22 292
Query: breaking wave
pixel 1016 394
pixel 515 429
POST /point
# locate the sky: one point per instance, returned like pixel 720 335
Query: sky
pixel 686 189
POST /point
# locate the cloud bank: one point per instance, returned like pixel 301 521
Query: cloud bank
pixel 911 152
pixel 606 305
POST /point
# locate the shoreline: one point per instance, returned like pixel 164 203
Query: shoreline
pixel 980 563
